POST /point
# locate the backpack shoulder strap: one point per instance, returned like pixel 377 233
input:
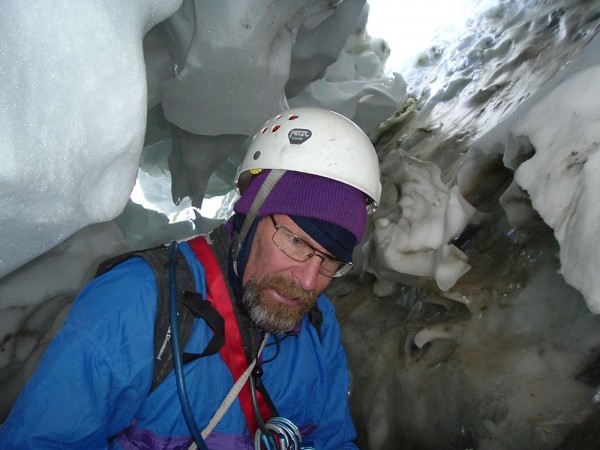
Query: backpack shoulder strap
pixel 158 259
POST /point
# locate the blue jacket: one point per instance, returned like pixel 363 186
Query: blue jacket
pixel 90 389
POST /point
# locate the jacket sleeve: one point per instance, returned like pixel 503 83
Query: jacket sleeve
pixel 95 373
pixel 336 429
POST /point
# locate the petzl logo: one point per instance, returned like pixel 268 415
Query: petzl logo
pixel 299 135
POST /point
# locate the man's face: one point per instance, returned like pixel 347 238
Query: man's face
pixel 279 291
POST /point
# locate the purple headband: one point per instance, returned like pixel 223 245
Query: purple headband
pixel 310 196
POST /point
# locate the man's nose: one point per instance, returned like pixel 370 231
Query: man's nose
pixel 307 272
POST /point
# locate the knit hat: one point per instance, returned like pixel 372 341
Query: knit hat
pixel 310 196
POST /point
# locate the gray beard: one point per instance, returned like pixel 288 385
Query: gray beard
pixel 272 316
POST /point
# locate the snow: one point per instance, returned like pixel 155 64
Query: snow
pixel 73 102
pixel 561 122
pixel 429 214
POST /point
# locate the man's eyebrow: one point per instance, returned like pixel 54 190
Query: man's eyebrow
pixel 305 237
pixel 314 244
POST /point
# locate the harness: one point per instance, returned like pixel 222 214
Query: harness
pixel 232 328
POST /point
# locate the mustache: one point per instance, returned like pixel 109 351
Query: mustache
pixel 288 288
pixel 270 315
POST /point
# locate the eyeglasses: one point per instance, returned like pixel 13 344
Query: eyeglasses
pixel 300 251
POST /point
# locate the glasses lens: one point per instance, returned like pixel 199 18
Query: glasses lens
pixel 292 245
pixel 297 249
pixel 329 267
pixel 335 269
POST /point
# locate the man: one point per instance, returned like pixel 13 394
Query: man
pixel 307 182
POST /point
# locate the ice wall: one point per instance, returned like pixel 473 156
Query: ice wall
pixel 79 79
pixel 507 357
pixel 552 144
pixel 73 109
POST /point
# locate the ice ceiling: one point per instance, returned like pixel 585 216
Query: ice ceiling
pixel 472 322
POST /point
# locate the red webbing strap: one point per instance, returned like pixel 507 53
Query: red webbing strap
pixel 232 352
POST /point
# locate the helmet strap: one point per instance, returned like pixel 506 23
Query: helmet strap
pixel 264 191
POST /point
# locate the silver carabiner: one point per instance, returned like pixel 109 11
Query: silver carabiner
pixel 284 435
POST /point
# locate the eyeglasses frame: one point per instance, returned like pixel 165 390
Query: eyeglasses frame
pixel 345 267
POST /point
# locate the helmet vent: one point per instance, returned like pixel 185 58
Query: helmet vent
pixel 293 117
pixel 275 128
pixel 263 130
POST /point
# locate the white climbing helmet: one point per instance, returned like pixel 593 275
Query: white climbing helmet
pixel 315 141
